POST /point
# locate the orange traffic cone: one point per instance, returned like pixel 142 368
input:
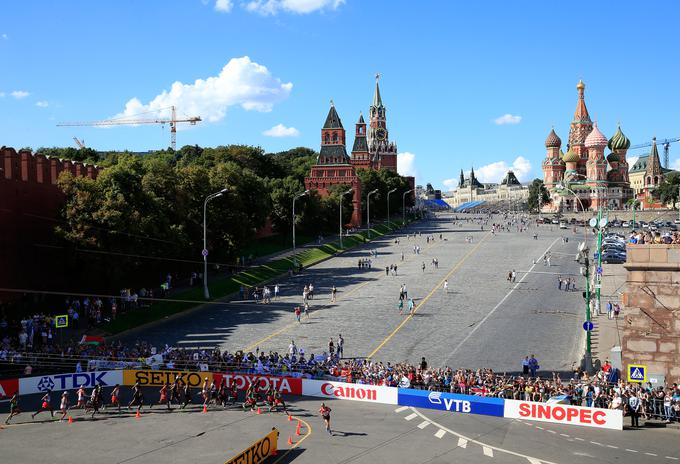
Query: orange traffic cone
pixel 258 411
pixel 205 408
pixel 138 415
pixel 290 440
pixel 70 419
pixel 290 418
pixel 299 425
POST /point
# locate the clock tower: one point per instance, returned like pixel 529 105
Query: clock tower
pixel 383 153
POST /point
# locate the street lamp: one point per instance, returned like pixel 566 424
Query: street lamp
pixel 388 205
pixel 299 195
pixel 341 198
pixel 403 207
pixel 206 293
pixel 368 210
pixel 584 251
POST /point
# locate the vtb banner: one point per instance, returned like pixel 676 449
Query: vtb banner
pixel 258 451
pixel 466 404
pixel 565 414
pixel 153 378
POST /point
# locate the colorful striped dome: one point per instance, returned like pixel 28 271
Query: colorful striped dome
pixel 619 141
pixel 553 141
pixel 571 157
pixel 596 138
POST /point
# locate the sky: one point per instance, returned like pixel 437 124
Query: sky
pixel 466 84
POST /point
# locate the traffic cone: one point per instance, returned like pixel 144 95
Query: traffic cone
pixel 138 415
pixel 70 419
pixel 290 418
pixel 299 425
pixel 290 440
pixel 258 411
pixel 205 408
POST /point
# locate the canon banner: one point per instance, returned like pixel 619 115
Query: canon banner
pixel 8 388
pixel 466 404
pixel 349 391
pixel 73 381
pixel 286 385
pixel 564 414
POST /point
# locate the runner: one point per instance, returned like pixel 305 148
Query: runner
pixel 64 406
pixel 137 397
pixel 13 407
pixel 251 398
pixel 163 398
pixel 81 398
pixel 325 412
pixel 45 406
pixel 187 395
pixel 115 397
pixel 233 393
pixel 446 286
pixel 205 392
pixel 96 399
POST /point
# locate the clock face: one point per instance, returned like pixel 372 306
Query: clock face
pixel 381 134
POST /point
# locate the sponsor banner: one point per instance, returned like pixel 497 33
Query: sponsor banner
pixel 350 391
pixel 73 381
pixel 467 404
pixel 153 378
pixel 258 451
pixel 8 388
pixel 286 385
pixel 565 414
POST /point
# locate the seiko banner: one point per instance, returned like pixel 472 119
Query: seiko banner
pixel 259 451
pixel 152 378
pixel 466 404
pixel 349 391
pixel 73 381
pixel 564 414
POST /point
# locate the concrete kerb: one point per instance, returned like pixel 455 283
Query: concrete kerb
pixel 225 298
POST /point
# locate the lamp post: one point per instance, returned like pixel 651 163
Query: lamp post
pixel 342 198
pixel 368 210
pixel 299 195
pixel 403 207
pixel 204 252
pixel 584 251
pixel 388 205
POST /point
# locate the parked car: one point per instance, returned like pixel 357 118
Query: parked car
pixel 613 257
pixel 555 221
pixel 564 225
pixel 625 224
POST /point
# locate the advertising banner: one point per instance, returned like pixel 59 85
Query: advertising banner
pixel 153 378
pixel 349 391
pixel 258 451
pixel 565 414
pixel 285 385
pixel 73 381
pixel 466 404
pixel 8 388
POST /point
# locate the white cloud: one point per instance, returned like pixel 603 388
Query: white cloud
pixel 2 94
pixel 675 165
pixel 4 36
pixel 406 164
pixel 19 94
pixel 224 6
pixel 241 82
pixel 272 7
pixel 495 172
pixel 508 119
pixel 42 103
pixel 450 184
pixel 280 130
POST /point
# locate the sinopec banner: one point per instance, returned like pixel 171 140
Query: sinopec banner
pixel 565 414
pixel 152 378
pixel 58 382
pixel 466 404
pixel 349 391
pixel 258 451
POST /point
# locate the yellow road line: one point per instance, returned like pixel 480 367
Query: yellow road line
pixel 429 295
pixel 342 296
pixel 296 444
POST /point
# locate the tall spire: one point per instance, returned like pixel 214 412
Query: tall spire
pixel 332 120
pixel 377 101
pixel 653 163
pixel 462 179
pixel 581 114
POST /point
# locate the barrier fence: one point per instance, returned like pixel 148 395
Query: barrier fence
pixel 458 403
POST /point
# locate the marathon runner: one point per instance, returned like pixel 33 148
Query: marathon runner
pixel 64 405
pixel 137 397
pixel 115 397
pixel 13 407
pixel 251 398
pixel 45 406
pixel 325 412
pixel 81 398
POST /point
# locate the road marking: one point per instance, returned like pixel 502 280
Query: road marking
pixel 423 424
pixel 632 451
pixel 487 451
pixel 440 433
pixel 671 457
pixel 579 439
pixel 596 443
pixel 539 427
pixel 490 313
pixel 552 431
pixel 297 443
pixel 412 416
pixel 564 435
pixel 612 446
pixel 401 409
pixel 471 440
pixel 651 454
pixel 429 295
pixel 534 461
pixel 462 443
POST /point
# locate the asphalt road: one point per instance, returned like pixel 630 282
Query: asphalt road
pixel 483 320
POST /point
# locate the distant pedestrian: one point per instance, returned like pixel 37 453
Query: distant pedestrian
pixel 411 306
pixel 341 346
pixel 525 365
pixel 514 275
pixel 334 292
pixel 559 282
pixel 276 291
pixel 446 286
pixel 634 406
pixel 298 312
pixel 533 365
pixel 423 267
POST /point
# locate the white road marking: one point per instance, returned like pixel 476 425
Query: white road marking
pixel 671 457
pixel 651 454
pixel 471 440
pixel 490 313
pixel 539 427
pixel 401 409
pixel 440 433
pixel 552 431
pixel 596 443
pixel 423 424
pixel 487 451
pixel 462 443
pixel 564 435
pixel 632 451
pixel 579 439
pixel 612 446
pixel 412 416
pixel 534 461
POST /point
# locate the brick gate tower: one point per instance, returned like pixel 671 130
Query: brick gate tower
pixel 383 152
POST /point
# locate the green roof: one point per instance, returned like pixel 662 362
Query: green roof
pixel 332 120
pixel 329 153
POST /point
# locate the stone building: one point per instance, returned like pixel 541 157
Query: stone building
pixel 509 190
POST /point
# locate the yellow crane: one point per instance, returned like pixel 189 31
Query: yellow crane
pixel 132 121
pixel 80 143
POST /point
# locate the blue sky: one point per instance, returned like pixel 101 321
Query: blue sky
pixel 450 69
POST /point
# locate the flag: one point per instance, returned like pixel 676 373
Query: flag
pixel 91 340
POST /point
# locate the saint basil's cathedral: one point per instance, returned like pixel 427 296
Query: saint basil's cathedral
pixel 372 149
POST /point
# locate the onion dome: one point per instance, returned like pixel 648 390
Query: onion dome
pixel 580 85
pixel 571 157
pixel 553 141
pixel 596 138
pixel 619 141
pixel 613 158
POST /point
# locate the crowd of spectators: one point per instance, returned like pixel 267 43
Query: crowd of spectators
pixel 653 237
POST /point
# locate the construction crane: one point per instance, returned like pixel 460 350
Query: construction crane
pixel 80 143
pixel 666 148
pixel 133 122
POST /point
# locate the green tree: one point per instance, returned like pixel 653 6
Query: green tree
pixel 667 192
pixel 537 191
